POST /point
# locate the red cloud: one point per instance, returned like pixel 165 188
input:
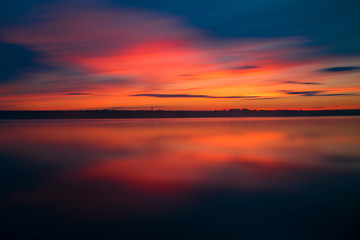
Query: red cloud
pixel 91 45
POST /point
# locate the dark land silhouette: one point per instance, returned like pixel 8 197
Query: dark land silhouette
pixel 78 114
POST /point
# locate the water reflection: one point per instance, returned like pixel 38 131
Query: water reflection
pixel 182 178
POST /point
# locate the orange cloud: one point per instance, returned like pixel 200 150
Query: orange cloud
pixel 111 54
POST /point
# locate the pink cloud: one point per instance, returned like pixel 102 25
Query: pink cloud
pixel 90 45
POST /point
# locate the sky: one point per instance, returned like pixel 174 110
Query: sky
pixel 179 54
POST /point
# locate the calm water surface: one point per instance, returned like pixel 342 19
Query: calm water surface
pixel 212 178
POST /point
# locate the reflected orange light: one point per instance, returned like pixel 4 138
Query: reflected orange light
pixel 167 161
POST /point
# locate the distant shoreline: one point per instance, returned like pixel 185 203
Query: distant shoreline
pixel 92 114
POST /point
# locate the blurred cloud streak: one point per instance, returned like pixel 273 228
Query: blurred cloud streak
pixel 122 51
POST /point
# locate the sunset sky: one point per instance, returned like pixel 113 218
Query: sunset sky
pixel 179 54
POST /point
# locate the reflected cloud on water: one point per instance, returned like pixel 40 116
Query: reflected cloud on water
pixel 185 169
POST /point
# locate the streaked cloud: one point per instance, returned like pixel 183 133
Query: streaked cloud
pixel 78 94
pixel 15 61
pixel 117 52
pixel 188 96
pixel 244 67
pixel 316 93
pixel 333 24
pixel 340 69
pixel 300 82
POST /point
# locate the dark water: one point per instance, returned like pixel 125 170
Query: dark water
pixel 229 178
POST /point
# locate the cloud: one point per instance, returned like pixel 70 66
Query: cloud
pixel 316 93
pixel 304 93
pixel 153 48
pixel 340 69
pixel 299 82
pixel 327 23
pixel 15 61
pixel 262 98
pixel 244 67
pixel 189 96
pixel 146 45
pixel 72 30
pixel 78 94
pixel 150 48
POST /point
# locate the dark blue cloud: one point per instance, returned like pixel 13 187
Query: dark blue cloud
pixel 11 9
pixel 304 93
pixel 316 93
pixel 15 60
pixel 299 82
pixel 333 24
pixel 340 69
pixel 188 96
pixel 244 67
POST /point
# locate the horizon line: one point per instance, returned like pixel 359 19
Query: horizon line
pixel 163 110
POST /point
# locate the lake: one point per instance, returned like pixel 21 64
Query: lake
pixel 202 178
